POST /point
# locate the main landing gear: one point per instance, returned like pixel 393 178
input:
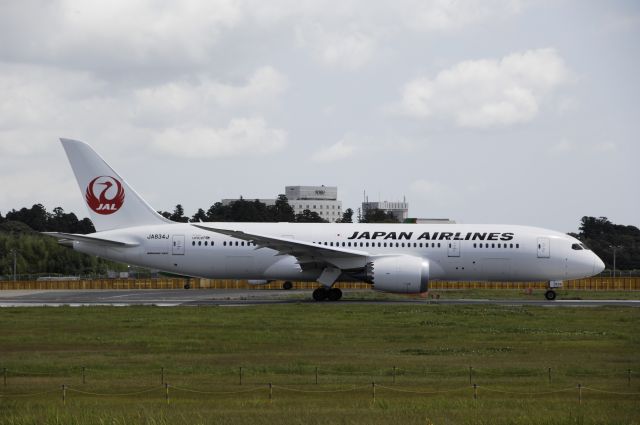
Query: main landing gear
pixel 287 285
pixel 323 293
pixel 550 295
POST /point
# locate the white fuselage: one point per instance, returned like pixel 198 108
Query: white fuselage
pixel 454 251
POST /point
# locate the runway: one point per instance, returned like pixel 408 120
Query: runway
pixel 229 298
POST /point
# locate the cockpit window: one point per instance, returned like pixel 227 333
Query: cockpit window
pixel 577 246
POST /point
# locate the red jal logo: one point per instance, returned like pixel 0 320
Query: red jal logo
pixel 110 197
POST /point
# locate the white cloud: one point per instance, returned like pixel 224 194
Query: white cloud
pixel 243 136
pixel 184 101
pixel 427 188
pixel 604 147
pixel 116 34
pixel 562 147
pixel 266 84
pixel 446 15
pixel 487 92
pixel 338 151
pixel 346 49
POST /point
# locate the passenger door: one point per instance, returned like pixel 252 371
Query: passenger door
pixel 454 248
pixel 544 250
pixel 178 245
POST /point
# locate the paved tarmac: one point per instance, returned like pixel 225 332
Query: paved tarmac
pixel 231 297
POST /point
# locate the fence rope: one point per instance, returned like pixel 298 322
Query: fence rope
pixel 354 388
pixel 607 392
pixel 148 390
pixel 18 372
pixel 423 392
pixel 461 372
pixel 191 390
pixel 527 393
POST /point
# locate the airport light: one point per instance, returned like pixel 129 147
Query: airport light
pixel 15 255
pixel 615 248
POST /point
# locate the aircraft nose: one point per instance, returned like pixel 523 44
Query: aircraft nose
pixel 598 265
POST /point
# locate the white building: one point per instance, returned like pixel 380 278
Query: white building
pixel 400 210
pixel 320 199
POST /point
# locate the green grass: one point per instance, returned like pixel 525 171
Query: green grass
pixel 431 346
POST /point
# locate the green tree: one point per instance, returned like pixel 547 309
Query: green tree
pixel 282 211
pixel 308 216
pixel 601 235
pixel 200 215
pixel 347 216
pixel 375 215
pixel 178 215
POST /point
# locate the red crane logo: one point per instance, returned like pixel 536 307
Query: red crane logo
pixel 109 200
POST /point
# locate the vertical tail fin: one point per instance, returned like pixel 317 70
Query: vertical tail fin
pixel 111 202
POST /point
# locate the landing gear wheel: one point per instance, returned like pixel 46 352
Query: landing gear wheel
pixel 335 294
pixel 550 295
pixel 321 294
pixel 287 285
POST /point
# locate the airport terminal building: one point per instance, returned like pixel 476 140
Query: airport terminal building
pixel 400 210
pixel 320 199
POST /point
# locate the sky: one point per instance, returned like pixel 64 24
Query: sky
pixel 482 111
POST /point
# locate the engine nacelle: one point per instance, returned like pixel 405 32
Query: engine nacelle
pixel 402 274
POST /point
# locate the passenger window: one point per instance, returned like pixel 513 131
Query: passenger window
pixel 510 245
pixel 493 245
pixel 498 245
pixel 199 243
pixel 474 245
pixel 438 244
pixel 517 245
pixel 206 243
pixel 193 243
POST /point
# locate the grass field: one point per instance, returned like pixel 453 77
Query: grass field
pixel 432 347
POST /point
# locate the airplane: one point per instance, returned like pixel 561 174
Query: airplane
pixel 396 258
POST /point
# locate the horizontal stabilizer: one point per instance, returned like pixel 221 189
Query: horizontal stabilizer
pixel 62 237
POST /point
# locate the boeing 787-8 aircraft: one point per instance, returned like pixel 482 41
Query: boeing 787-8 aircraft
pixel 400 258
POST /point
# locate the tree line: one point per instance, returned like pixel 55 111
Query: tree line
pixel 603 237
pixel 243 210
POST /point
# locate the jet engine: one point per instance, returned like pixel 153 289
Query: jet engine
pixel 402 274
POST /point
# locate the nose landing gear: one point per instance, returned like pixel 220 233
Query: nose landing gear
pixel 551 293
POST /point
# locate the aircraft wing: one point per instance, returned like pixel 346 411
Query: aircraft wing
pixel 69 237
pixel 306 253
